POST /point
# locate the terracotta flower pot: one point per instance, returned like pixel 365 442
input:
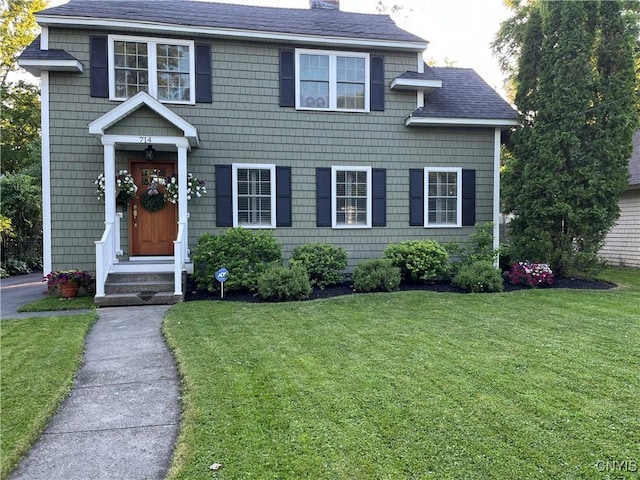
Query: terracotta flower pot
pixel 68 290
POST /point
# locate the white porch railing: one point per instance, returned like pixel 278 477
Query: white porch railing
pixel 178 258
pixel 106 250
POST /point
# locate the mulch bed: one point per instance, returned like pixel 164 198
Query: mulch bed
pixel 346 288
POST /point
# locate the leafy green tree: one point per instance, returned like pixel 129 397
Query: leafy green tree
pixel 17 30
pixel 21 214
pixel 572 68
pixel 20 124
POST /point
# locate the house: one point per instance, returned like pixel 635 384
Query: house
pixel 622 245
pixel 317 124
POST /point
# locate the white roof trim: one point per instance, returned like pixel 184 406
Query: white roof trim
pixel 226 32
pixel 113 116
pixel 35 67
pixel 461 122
pixel 415 84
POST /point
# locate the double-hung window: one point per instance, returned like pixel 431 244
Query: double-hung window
pixel 162 67
pixel 332 80
pixel 351 200
pixel 443 197
pixel 254 199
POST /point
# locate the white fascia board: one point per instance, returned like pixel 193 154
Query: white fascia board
pixel 415 84
pixel 102 123
pixel 224 32
pixel 132 140
pixel 35 67
pixel 460 122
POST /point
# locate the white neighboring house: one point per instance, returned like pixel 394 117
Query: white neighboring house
pixel 622 245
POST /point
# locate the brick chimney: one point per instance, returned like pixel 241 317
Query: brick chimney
pixel 325 4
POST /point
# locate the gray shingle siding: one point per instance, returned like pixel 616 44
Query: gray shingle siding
pixel 245 124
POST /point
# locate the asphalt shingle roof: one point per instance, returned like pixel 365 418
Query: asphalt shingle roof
pixel 428 74
pixel 464 94
pixel 315 22
pixel 33 52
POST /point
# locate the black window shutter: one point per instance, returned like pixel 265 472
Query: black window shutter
pixel 379 193
pixel 416 197
pixel 203 73
pixel 287 78
pixel 99 70
pixel 224 200
pixel 283 196
pixel 323 197
pixel 468 198
pixel 377 83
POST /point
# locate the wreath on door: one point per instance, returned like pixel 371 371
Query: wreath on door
pixel 152 200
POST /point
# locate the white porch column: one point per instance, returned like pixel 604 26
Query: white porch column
pixel 46 171
pixel 183 214
pixel 496 191
pixel 109 181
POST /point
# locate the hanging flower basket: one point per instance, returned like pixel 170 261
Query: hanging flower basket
pixel 195 188
pixel 126 188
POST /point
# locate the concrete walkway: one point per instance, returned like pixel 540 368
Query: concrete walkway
pixel 122 417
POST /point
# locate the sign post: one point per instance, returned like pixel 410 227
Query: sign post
pixel 221 276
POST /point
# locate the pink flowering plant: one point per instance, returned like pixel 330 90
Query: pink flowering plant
pixel 80 278
pixel 531 273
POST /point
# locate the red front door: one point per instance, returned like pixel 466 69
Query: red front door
pixel 151 232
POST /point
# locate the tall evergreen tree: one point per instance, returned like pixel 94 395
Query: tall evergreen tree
pixel 574 82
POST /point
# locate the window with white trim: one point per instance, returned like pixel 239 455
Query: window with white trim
pixel 254 195
pixel 351 200
pixel 443 197
pixel 332 80
pixel 162 67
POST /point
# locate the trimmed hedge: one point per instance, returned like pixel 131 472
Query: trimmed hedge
pixel 479 277
pixel 419 260
pixel 323 262
pixel 283 284
pixel 245 253
pixel 377 275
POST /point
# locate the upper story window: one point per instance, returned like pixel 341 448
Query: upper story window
pixel 254 199
pixel 164 68
pixel 351 201
pixel 443 194
pixel 332 80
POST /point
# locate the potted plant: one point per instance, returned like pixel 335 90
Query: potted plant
pixel 68 282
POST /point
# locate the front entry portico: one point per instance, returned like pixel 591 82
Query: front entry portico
pixel 108 247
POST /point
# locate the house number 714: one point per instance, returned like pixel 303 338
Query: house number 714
pixel 145 139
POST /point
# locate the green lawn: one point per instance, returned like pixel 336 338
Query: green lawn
pixel 56 304
pixel 411 385
pixel 39 358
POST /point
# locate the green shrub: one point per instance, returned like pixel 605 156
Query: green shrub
pixel 246 254
pixel 323 262
pixel 478 247
pixel 479 277
pixel 15 266
pixel 280 284
pixel 377 275
pixel 418 260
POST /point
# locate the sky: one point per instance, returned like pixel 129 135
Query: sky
pixel 458 31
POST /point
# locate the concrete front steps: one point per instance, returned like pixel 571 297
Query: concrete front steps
pixel 135 288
